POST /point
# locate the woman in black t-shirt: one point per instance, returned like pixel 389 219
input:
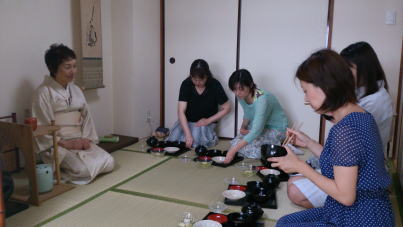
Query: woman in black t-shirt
pixel 202 102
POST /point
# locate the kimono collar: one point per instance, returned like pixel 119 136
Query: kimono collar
pixel 58 87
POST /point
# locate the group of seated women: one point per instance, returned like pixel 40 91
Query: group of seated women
pixel 350 89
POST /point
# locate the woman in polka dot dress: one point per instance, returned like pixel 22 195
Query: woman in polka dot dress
pixel 354 175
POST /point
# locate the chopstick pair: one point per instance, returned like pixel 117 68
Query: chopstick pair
pixel 289 138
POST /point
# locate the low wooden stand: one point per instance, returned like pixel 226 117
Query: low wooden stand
pixel 21 136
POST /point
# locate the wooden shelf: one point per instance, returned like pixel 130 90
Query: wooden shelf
pixel 25 197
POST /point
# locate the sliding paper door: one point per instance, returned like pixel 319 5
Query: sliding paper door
pixel 195 29
pixel 276 36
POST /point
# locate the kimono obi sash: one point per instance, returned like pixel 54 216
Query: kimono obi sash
pixel 70 124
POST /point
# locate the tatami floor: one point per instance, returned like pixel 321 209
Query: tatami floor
pixel 130 197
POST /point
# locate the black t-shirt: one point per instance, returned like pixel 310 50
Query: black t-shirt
pixel 204 105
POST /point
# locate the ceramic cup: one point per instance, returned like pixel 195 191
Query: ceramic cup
pixel 31 121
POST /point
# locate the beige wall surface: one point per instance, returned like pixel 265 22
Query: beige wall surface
pixel 364 20
pixel 136 65
pixel 130 34
pixel 28 28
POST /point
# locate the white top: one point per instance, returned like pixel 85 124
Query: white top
pixel 380 105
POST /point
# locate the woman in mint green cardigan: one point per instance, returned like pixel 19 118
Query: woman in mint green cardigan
pixel 264 121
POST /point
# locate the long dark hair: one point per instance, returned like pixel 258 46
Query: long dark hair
pixel 243 78
pixel 200 69
pixel 369 69
pixel 330 72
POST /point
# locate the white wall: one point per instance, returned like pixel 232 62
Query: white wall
pixel 364 20
pixel 28 28
pixel 136 67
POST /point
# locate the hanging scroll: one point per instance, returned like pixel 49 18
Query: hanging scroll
pixel 92 75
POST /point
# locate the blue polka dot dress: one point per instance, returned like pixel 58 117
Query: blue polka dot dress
pixel 354 141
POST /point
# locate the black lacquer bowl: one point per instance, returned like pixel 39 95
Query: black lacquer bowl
pixel 152 141
pixel 254 210
pixel 201 150
pixel 271 150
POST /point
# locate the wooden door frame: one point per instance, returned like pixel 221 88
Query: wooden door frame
pixel 162 63
pixel 329 35
pixel 398 121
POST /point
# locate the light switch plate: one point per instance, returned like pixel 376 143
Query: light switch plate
pixel 390 17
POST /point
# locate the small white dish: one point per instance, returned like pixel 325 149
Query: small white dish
pixel 207 223
pixel 233 194
pixel 219 159
pixel 266 172
pixel 171 149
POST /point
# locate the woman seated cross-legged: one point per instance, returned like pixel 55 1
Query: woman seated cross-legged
pixel 264 121
pixel 59 99
pixel 202 102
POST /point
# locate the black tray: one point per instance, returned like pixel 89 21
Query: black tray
pixel 175 154
pixel 236 159
pixel 272 203
pixel 229 224
pixel 180 145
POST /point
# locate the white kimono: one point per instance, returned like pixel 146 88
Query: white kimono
pixel 68 107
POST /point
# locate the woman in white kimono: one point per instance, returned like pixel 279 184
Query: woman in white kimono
pixel 59 99
pixel 372 95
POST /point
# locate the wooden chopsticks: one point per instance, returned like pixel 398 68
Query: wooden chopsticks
pixel 288 138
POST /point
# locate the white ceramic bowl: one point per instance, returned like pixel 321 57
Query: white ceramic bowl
pixel 219 159
pixel 207 223
pixel 266 172
pixel 171 149
pixel 233 194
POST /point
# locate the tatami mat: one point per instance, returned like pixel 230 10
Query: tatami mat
pixel 119 209
pixel 144 191
pixel 127 165
pixel 176 179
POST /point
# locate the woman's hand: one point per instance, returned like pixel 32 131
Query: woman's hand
pixel 202 122
pixel 289 163
pixel 298 138
pixel 189 141
pixel 86 143
pixel 230 156
pixel 75 144
pixel 243 131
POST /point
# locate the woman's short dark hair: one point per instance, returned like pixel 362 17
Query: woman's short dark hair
pixel 56 55
pixel 330 72
pixel 369 69
pixel 243 78
pixel 200 69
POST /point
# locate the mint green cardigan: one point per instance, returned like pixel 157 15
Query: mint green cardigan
pixel 264 113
